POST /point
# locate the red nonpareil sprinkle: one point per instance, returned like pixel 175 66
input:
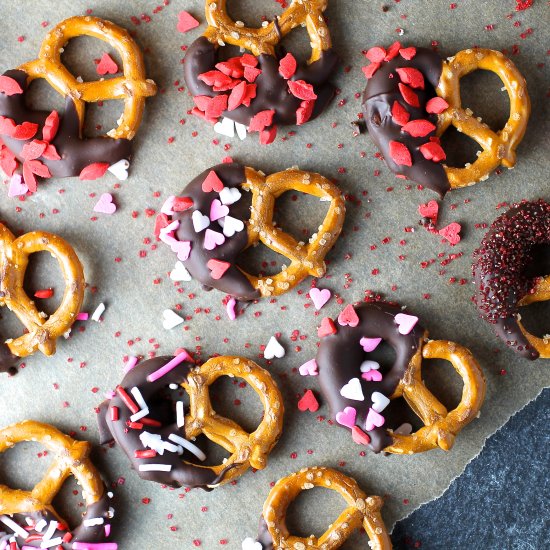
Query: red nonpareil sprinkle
pixel 212 183
pixel 436 105
pixel 408 95
pixel 161 221
pixel 146 453
pixel 249 60
pixel 24 131
pixel 261 120
pixel 237 96
pixel 115 414
pixel 251 73
pixel 327 327
pixel 301 89
pixel 400 154
pixel 418 128
pixel 9 86
pixel 51 125
pixel 407 53
pixel 376 54
pixel 523 4
pixel 288 66
pixel 217 268
pixel 304 112
pixel 106 65
pixel 393 50
pixel 399 114
pixel 451 233
pixel 369 70
pixel 33 149
pixel 268 135
pixel 181 204
pixel 411 76
pixel 232 67
pixel 308 402
pixel 44 293
pixel 433 151
pixel 127 400
pixel 186 22
pixel 94 171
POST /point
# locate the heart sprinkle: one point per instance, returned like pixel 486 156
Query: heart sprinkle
pixel 308 402
pixel 369 344
pixel 180 273
pixel 309 369
pixel 212 239
pixel 105 205
pixel 217 268
pixel 348 316
pixel 200 221
pixel 374 420
pixel 274 349
pixel 347 417
pixel 319 297
pixel 405 323
pixel 171 319
pixel 353 390
pixel 186 22
pixel 379 401
pixel 327 327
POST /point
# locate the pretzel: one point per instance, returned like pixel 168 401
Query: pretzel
pixel 362 511
pixel 70 457
pixel 358 391
pixel 247 450
pixel 540 293
pixel 412 97
pixel 304 258
pixel 133 87
pixel 43 331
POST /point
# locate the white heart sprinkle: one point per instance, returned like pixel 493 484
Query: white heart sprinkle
pixel 250 544
pixel 229 195
pixel 170 319
pixel 120 169
pixel 404 429
pixel 241 130
pixel 180 273
pixel 274 349
pixel 367 366
pixel 226 127
pixel 231 226
pixel 353 390
pixel 200 222
pixel 379 401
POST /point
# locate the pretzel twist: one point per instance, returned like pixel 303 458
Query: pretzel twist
pixel 14 259
pixel 133 87
pixel 498 147
pixel 440 426
pixel 541 293
pixel 247 450
pixel 305 259
pixel 362 511
pixel 70 458
pixel 309 13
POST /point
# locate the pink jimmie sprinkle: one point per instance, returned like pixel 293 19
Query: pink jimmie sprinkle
pixel 94 546
pixel 168 367
pixel 107 530
pixel 130 364
pixel 82 316
pixel 230 308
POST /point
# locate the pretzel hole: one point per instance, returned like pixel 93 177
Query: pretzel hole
pixel 43 272
pixel 41 96
pixel 534 318
pixel 24 465
pixel 298 43
pixel 69 504
pixel 440 377
pixel 399 412
pixel 261 260
pixel 459 148
pixel 251 12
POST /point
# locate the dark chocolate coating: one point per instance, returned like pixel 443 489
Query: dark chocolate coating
pixel 8 361
pixel 76 152
pixel 271 88
pixel 82 533
pixel 340 356
pixel 515 251
pixel 264 536
pixel 233 281
pixel 181 474
pixel 378 98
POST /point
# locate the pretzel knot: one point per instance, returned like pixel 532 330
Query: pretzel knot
pixel 305 259
pixel 133 87
pixel 362 511
pixel 540 293
pixel 247 450
pixel 14 258
pixel 498 147
pixel 440 426
pixel 309 13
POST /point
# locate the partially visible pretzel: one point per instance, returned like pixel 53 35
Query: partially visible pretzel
pixel 362 511
pixel 440 425
pixel 540 293
pixel 498 147
pixel 309 13
pixel 133 87
pixel 43 331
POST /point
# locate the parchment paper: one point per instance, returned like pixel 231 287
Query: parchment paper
pixel 130 274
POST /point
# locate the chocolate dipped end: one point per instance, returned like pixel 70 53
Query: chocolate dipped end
pixel 233 281
pixel 264 536
pixel 512 255
pixel 380 93
pixel 272 91
pixel 76 152
pixel 181 474
pixel 8 361
pixel 340 356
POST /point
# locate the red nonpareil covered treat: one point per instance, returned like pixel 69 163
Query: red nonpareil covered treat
pixel 400 154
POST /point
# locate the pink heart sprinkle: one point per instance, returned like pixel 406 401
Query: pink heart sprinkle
pixel 218 210
pixel 405 322
pixel 181 248
pixel 429 210
pixel 186 22
pixel 451 232
pixel 346 417
pixel 230 308
pixel 369 344
pixel 17 187
pixel 105 204
pixel 319 297
pixel 309 368
pixel 374 420
pixel 212 239
pixel 372 376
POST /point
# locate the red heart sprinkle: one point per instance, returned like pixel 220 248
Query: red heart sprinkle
pixel 304 112
pixel 106 65
pixel 369 70
pixel 359 436
pixel 408 95
pixel 38 168
pixel 197 112
pixel 29 178
pixel 51 153
pixel 33 149
pixel 301 89
pixel 411 76
pixel 232 67
pixel 7 126
pixel 288 66
pixel 348 316
pixel 236 96
pixel 400 154
pixel 250 94
pixel 407 53
pixel 451 232
pixel 436 105
pixel 215 78
pixel 251 73
pixel 8 162
pixel 308 402
pixel 212 183
pixel 217 268
pixel 399 114
pixel 9 86
pixel 433 151
pixel 261 120
pixel 418 128
pixel 186 22
pixel 393 50
pixel 376 54
pixel 161 221
pixel 268 135
pixel 25 131
pixel 181 204
pixel 429 210
pixel 51 125
pixel 327 327
pixel 94 171
pixel 249 60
